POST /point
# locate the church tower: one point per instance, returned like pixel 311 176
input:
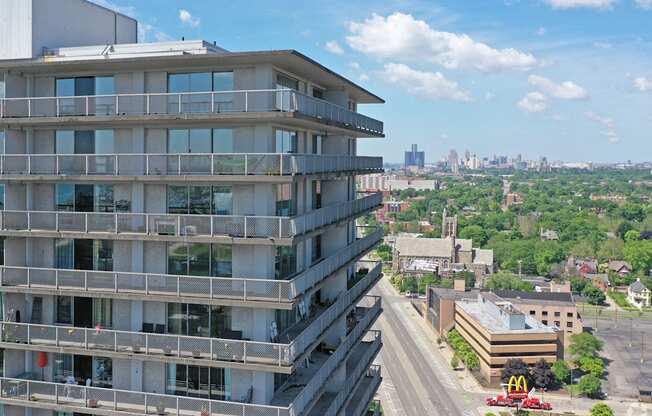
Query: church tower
pixel 448 226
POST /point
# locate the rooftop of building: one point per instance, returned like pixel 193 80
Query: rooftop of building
pixel 516 296
pixel 496 316
pixel 430 247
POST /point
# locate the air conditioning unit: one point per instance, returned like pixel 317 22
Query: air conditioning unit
pixel 166 227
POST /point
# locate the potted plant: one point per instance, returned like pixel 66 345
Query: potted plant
pixel 92 403
pixel 204 411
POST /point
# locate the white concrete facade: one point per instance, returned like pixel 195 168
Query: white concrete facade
pixel 321 316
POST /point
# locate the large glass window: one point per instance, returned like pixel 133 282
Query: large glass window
pixel 2 85
pixel 200 140
pixel 199 82
pixel 84 198
pixel 83 312
pixel 286 199
pixel 103 312
pixel 316 194
pixel 2 196
pixel 2 140
pixel 199 320
pixel 199 259
pixel 63 310
pixel 286 141
pixel 69 142
pixel 193 381
pixel 205 200
pixel 317 142
pixel 85 86
pixel 286 262
pixel 84 254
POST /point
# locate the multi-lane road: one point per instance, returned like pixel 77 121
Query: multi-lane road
pixel 416 380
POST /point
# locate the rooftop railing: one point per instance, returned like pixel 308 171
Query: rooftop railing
pixel 179 346
pixel 21 391
pixel 176 286
pixel 185 164
pixel 186 103
pixel 178 225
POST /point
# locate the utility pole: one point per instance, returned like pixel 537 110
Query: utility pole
pixel 631 332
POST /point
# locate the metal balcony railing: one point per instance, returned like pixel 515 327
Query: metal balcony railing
pixel 232 288
pixel 354 377
pixel 210 102
pixel 177 225
pixel 179 346
pixel 88 398
pixel 185 164
pixel 359 408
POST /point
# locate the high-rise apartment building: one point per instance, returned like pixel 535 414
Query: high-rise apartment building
pixel 178 225
pixel 415 158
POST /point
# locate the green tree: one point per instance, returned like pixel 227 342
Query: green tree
pixel 632 212
pixel 384 252
pixel 601 409
pixel 584 345
pixel 590 385
pixel 632 235
pixel 542 374
pixel 475 233
pixel 562 371
pixel 578 284
pixel 611 249
pixel 592 365
pixel 594 295
pixel 515 367
pixel 507 281
pixel 639 254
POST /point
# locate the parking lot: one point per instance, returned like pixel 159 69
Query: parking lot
pixel 626 341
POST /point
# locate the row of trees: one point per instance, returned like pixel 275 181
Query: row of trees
pixel 584 348
pixel 463 350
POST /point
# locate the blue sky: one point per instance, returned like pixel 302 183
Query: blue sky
pixel 567 79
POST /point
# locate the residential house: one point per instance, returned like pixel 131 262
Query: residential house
pixel 639 295
pixel 620 267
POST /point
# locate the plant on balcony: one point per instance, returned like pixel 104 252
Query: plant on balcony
pixel 204 411
pixel 92 403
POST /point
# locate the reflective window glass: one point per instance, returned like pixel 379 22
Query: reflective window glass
pixel 2 196
pixel 223 141
pixel 177 258
pixel 65 196
pixel 223 81
pixel 2 140
pixel 199 259
pixel 199 141
pixel 65 87
pixel 286 141
pixel 200 200
pixel 64 142
pixel 177 318
pixel 222 200
pixel 221 260
pixel 63 310
pixel 178 140
pixel 177 199
pixel 104 142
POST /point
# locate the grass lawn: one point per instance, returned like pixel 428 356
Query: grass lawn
pixel 587 310
pixel 619 298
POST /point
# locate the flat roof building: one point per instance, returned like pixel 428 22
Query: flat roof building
pixel 498 331
pixel 178 229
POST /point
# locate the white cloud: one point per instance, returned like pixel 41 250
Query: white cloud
pixel 541 31
pixel 188 19
pixel 603 45
pixel 576 4
pixel 533 102
pixel 333 47
pixel 488 96
pixel 565 91
pixel 402 37
pixel 364 77
pixel 607 123
pixel 431 85
pixel 643 84
pixel 644 4
pixel 354 66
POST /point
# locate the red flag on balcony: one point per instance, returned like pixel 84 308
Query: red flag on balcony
pixel 42 359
